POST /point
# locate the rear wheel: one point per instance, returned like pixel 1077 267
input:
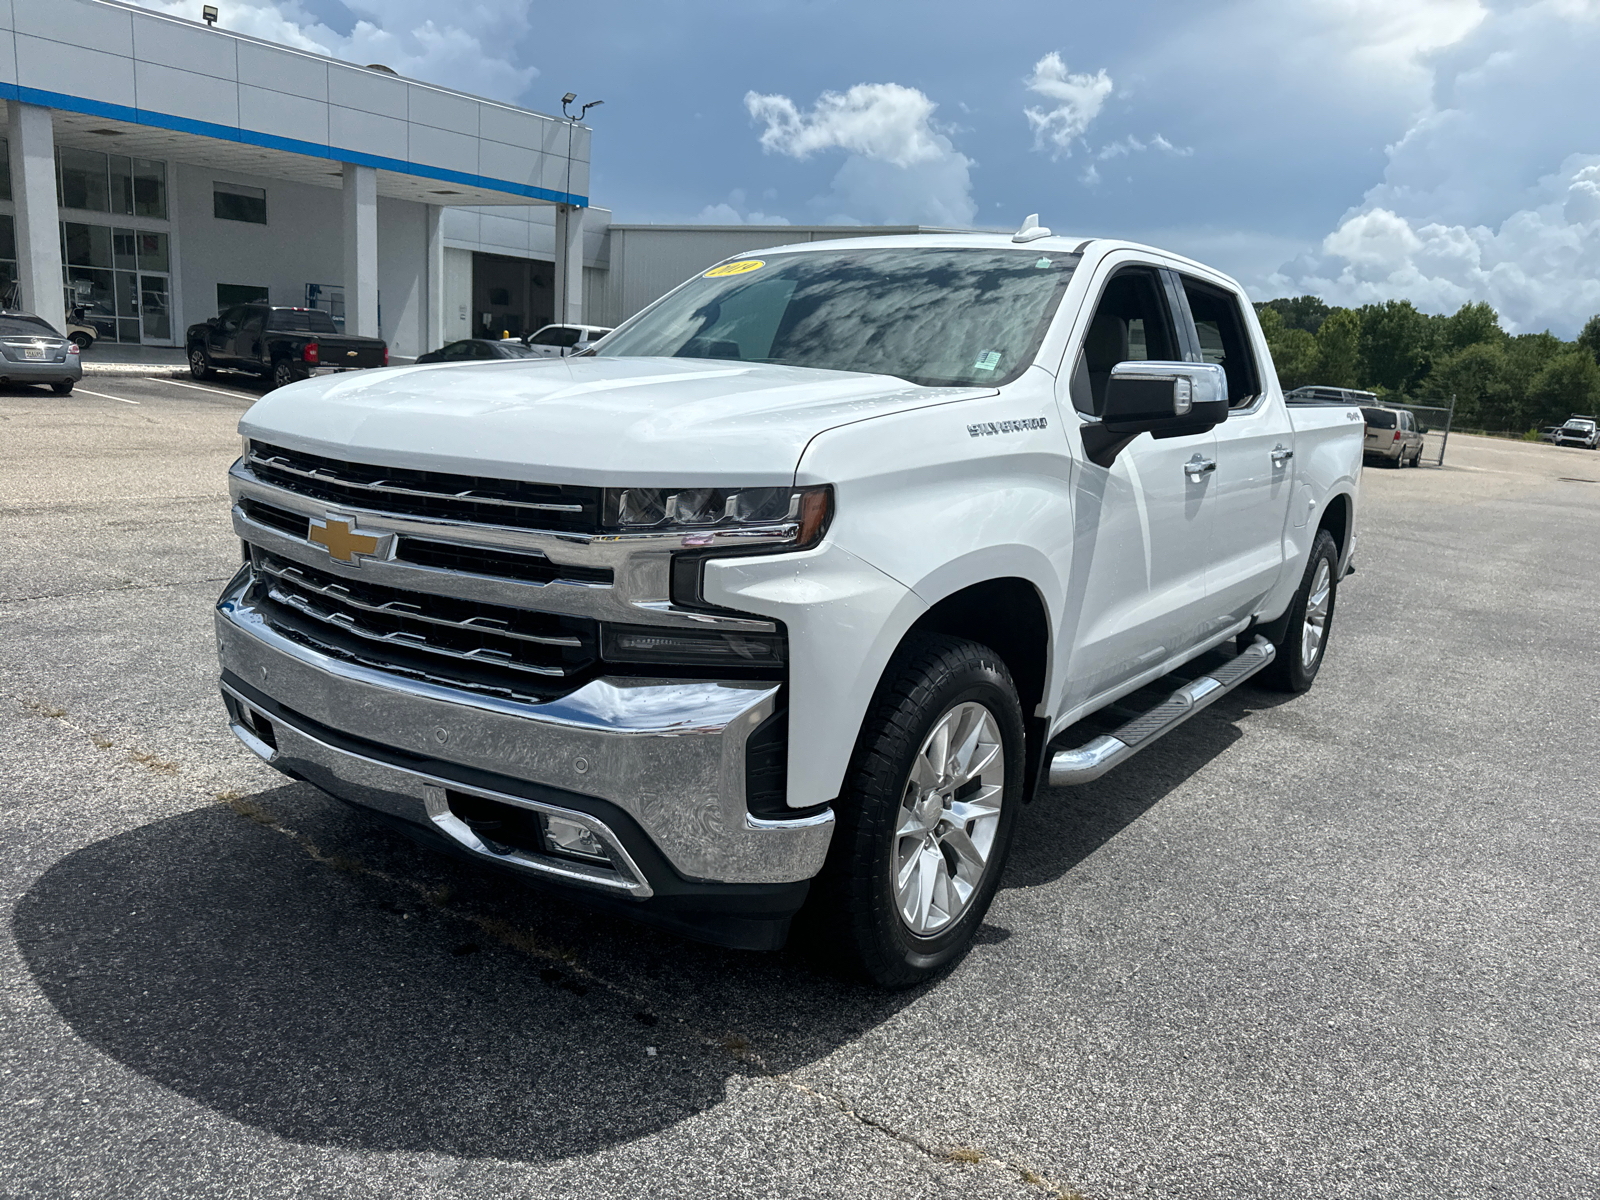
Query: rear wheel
pixel 200 363
pixel 926 818
pixel 1305 641
pixel 284 373
pixel 64 388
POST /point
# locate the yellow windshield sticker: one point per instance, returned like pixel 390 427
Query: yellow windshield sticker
pixel 736 268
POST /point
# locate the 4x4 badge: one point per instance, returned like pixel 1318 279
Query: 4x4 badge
pixel 344 542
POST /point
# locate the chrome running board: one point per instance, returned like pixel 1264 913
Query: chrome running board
pixel 1094 758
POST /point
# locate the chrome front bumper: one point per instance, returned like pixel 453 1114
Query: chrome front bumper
pixel 669 754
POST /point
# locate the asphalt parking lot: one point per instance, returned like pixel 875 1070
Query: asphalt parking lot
pixel 1343 945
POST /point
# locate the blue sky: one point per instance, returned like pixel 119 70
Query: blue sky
pixel 1438 150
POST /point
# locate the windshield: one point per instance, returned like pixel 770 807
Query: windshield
pixel 1580 426
pixel 939 317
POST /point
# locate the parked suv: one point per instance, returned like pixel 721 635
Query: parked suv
pixel 1579 431
pixel 1392 437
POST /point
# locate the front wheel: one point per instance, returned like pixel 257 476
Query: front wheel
pixel 82 341
pixel 200 363
pixel 1305 641
pixel 925 821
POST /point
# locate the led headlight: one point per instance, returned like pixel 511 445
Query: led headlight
pixel 801 512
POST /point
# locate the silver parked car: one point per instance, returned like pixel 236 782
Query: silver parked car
pixel 34 351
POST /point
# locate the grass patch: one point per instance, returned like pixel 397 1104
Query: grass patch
pixel 966 1154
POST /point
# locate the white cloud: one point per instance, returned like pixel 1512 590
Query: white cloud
pixel 1132 145
pixel 1540 268
pixel 460 47
pixel 1078 101
pixel 732 211
pixel 900 166
pixel 1493 191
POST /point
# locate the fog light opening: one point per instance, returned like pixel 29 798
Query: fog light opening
pixel 573 840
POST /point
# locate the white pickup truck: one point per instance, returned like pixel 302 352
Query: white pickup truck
pixel 790 592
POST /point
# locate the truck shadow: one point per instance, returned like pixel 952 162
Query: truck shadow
pixel 1063 826
pixel 297 967
pixel 341 986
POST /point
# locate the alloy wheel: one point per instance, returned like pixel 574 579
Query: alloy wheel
pixel 949 816
pixel 1318 603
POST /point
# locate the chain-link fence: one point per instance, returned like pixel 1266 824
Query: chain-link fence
pixel 1434 421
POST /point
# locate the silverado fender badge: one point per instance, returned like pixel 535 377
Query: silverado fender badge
pixel 991 428
pixel 344 542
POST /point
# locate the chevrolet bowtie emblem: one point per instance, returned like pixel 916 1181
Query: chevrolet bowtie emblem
pixel 342 540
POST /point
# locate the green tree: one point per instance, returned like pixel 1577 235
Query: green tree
pixel 1589 339
pixel 1476 376
pixel 1567 384
pixel 1526 355
pixel 1339 349
pixel 1471 325
pixel 1300 312
pixel 1294 351
pixel 1396 346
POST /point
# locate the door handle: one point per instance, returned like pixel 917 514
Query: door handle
pixel 1197 466
pixel 1281 455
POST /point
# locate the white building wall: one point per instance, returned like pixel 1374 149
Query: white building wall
pixel 457 294
pixel 402 276
pixel 301 242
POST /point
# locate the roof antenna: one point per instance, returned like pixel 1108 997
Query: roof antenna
pixel 1031 230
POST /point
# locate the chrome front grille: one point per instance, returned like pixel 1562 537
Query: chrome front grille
pixel 433 495
pixel 463 643
pixel 447 556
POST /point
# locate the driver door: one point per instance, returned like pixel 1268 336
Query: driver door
pixel 1142 535
pixel 219 337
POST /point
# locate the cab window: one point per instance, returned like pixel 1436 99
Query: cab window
pixel 1223 339
pixel 1131 323
pixel 556 335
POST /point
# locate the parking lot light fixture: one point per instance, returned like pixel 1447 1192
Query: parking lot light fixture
pixel 208 14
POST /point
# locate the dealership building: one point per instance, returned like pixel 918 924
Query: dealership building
pixel 156 170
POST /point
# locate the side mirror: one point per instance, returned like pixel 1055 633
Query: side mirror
pixel 1163 399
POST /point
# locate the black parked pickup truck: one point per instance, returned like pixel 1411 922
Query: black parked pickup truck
pixel 281 344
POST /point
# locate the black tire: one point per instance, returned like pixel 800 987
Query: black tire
pixel 284 373
pixel 81 340
pixel 1290 672
pixel 852 914
pixel 200 363
pixel 64 388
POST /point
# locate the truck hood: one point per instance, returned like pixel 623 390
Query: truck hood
pixel 662 422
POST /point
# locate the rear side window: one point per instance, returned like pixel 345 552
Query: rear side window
pixel 1378 418
pixel 302 320
pixel 1131 323
pixel 1223 341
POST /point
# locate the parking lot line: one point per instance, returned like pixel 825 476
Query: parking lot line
pixel 199 388
pixel 103 396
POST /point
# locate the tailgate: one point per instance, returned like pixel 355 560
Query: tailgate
pixel 350 352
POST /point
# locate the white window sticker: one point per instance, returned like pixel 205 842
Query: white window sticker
pixel 987 361
pixel 1042 263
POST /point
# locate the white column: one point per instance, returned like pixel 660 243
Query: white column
pixel 569 265
pixel 33 189
pixel 434 317
pixel 360 250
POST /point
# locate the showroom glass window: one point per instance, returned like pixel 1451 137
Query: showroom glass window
pixel 118 278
